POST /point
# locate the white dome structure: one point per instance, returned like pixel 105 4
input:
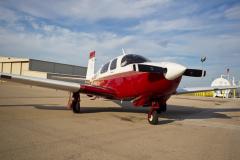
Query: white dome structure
pixel 223 83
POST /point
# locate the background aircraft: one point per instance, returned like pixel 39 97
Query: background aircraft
pixel 128 77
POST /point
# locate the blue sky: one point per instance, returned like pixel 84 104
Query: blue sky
pixel 181 31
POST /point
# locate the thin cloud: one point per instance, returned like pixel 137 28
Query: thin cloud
pixel 89 10
pixel 7 15
pixel 233 12
pixel 183 24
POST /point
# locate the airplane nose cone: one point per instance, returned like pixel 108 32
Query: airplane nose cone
pixel 174 71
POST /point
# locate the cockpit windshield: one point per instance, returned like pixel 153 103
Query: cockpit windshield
pixel 133 58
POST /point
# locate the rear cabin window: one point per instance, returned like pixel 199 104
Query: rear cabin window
pixel 113 64
pixel 132 58
pixel 105 68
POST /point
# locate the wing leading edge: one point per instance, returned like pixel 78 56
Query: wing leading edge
pixel 202 89
pixel 60 85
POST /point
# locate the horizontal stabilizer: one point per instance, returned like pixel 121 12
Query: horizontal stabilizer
pixel 194 73
pixel 151 69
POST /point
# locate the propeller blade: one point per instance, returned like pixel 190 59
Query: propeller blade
pixel 195 73
pixel 151 69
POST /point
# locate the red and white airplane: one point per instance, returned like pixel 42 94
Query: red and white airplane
pixel 128 77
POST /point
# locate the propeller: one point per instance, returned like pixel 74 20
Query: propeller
pixel 151 69
pixel 194 73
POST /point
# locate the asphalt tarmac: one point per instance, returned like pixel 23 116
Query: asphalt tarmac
pixel 35 124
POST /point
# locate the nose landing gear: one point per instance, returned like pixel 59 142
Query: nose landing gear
pixel 154 112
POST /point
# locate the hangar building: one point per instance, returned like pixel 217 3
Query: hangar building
pixel 42 69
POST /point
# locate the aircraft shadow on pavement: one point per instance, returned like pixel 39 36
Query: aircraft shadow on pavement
pixel 174 112
pixel 38 106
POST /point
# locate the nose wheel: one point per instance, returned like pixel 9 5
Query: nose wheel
pixel 153 117
pixel 155 111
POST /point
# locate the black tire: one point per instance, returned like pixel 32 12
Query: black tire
pixel 153 118
pixel 76 107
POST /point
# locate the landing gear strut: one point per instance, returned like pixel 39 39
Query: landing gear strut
pixel 154 112
pixel 75 102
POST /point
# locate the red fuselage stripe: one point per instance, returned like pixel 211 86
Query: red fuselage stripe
pixel 134 84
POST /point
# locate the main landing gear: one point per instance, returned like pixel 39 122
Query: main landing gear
pixel 74 102
pixel 154 112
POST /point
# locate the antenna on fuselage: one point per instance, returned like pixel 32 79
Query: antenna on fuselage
pixel 123 51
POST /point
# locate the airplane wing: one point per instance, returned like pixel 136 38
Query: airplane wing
pixel 202 89
pixel 60 85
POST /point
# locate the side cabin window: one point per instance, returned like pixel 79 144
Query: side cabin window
pixel 113 64
pixel 105 68
pixel 132 58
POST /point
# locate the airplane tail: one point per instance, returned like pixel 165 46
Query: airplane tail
pixel 91 66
